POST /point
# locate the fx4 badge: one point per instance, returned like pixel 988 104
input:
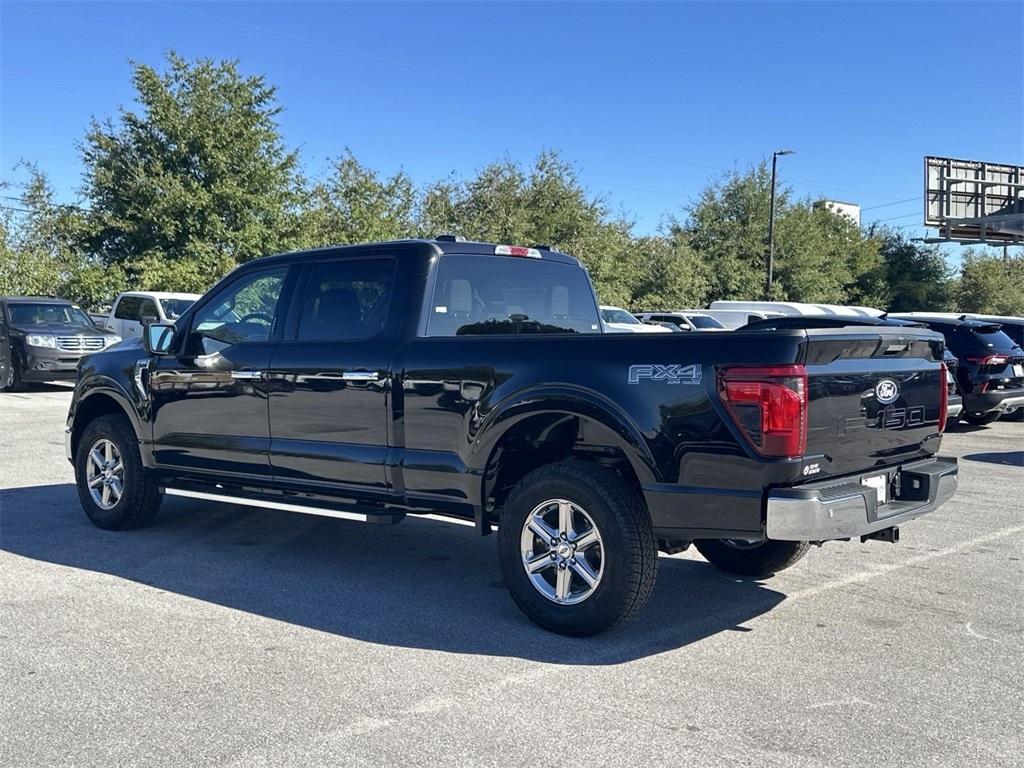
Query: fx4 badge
pixel 670 374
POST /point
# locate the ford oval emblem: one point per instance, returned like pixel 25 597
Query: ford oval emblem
pixel 886 391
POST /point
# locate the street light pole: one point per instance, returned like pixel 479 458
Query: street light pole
pixel 771 225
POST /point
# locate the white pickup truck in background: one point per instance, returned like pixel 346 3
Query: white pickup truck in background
pixel 132 309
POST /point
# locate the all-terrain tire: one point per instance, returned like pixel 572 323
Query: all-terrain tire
pixel 140 493
pixel 628 550
pixel 759 559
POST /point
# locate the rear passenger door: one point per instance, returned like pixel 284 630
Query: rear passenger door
pixel 329 379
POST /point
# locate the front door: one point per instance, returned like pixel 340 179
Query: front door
pixel 329 379
pixel 209 398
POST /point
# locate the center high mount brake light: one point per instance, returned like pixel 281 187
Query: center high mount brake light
pixel 516 250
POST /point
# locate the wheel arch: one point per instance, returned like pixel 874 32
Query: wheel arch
pixel 549 425
pixel 102 401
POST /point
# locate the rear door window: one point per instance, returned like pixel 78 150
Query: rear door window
pixel 347 300
pixel 477 295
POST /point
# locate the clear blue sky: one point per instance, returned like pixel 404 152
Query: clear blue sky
pixel 648 100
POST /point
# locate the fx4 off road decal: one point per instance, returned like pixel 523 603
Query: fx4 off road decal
pixel 669 374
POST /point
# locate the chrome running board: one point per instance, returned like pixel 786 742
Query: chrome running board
pixel 359 517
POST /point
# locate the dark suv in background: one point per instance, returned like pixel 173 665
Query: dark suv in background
pixel 991 370
pixel 42 339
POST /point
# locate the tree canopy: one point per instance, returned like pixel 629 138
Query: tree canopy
pixel 197 178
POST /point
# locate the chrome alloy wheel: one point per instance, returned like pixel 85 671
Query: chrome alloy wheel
pixel 104 474
pixel 562 551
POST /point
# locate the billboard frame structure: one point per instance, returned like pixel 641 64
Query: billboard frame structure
pixel 973 202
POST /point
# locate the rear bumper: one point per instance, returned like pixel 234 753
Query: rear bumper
pixel 850 509
pixel 956 406
pixel 1001 400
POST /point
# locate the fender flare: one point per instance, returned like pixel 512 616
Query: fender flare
pixel 104 385
pixel 570 401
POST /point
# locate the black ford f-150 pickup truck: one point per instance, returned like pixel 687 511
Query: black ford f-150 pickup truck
pixel 473 382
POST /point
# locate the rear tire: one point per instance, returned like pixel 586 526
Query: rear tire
pixel 981 419
pixel 608 579
pixel 759 559
pixel 116 491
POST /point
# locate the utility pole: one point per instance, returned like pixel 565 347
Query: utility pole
pixel 771 225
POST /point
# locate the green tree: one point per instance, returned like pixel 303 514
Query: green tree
pixel 545 204
pixel 38 240
pixel 354 205
pixel 193 183
pixel 991 284
pixel 671 275
pixel 916 274
pixel 727 226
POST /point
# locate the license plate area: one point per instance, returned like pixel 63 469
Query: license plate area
pixel 880 484
pixel 1018 371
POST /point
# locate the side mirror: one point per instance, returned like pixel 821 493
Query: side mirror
pixel 159 338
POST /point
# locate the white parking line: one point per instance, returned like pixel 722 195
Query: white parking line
pixel 882 570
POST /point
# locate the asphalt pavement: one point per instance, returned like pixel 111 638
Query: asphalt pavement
pixel 230 636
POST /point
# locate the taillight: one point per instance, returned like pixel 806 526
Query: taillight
pixel 769 405
pixel 989 360
pixel 943 399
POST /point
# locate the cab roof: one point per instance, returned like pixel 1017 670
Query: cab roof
pixel 35 300
pixel 413 247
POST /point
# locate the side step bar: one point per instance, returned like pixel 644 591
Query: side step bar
pixel 360 517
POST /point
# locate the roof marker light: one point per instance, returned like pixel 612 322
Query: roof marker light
pixel 516 250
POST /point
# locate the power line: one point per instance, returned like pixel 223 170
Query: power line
pixel 894 202
pixel 47 203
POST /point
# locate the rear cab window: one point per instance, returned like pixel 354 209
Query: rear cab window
pixel 476 295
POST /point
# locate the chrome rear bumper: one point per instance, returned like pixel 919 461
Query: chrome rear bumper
pixel 821 512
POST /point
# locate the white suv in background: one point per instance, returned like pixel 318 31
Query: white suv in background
pixel 133 308
pixel 618 320
pixel 683 320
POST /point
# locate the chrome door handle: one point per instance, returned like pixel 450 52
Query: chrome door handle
pixel 246 375
pixel 360 376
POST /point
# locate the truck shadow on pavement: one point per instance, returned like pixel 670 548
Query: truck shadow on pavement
pixel 420 584
pixel 1005 458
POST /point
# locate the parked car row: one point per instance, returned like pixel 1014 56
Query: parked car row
pixel 43 338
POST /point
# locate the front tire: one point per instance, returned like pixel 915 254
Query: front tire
pixel 116 491
pixel 981 419
pixel 13 381
pixel 752 558
pixel 577 549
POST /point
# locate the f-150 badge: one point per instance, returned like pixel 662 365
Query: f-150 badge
pixel 669 374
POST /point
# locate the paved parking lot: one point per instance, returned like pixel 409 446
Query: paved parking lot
pixel 238 637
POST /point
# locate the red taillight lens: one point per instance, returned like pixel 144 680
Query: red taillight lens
pixel 989 360
pixel 943 399
pixel 769 405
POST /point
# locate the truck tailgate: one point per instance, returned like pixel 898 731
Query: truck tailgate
pixel 874 396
